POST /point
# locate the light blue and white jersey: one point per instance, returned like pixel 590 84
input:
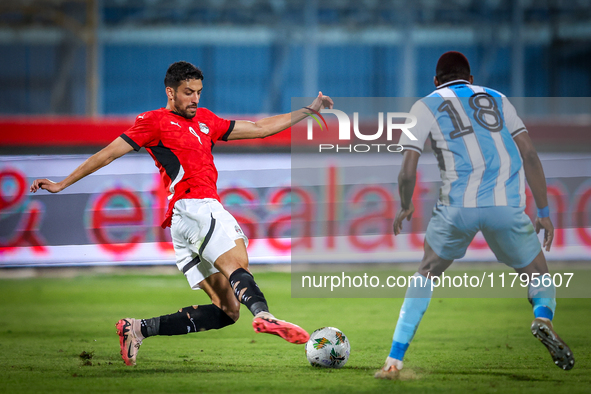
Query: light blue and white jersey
pixel 472 130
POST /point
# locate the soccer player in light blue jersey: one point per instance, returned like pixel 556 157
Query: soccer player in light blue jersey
pixel 484 155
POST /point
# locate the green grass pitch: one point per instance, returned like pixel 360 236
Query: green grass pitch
pixel 475 345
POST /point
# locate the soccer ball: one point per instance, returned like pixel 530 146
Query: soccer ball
pixel 328 347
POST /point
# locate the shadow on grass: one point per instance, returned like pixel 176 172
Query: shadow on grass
pixel 509 375
pixel 206 367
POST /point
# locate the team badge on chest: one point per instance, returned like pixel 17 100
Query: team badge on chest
pixel 203 127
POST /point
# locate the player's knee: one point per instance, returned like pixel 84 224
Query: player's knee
pixel 229 305
pixel 433 265
pixel 232 310
pixel 537 266
pixel 227 264
pixel 426 272
pixel 431 270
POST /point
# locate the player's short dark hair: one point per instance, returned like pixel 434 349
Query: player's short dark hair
pixel 452 65
pixel 181 71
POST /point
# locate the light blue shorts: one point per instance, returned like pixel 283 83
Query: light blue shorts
pixel 507 230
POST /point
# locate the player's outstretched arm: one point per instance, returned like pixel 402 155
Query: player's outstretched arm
pixel 244 129
pixel 407 179
pixel 534 173
pixel 115 149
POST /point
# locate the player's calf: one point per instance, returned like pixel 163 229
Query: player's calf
pixel 247 291
pixel 194 318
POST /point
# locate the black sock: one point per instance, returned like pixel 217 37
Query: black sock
pixel 190 319
pixel 247 291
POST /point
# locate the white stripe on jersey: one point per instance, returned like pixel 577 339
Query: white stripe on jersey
pixel 500 190
pixel 176 180
pixel 449 175
pixel 474 152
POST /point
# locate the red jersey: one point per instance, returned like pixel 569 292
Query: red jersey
pixel 181 149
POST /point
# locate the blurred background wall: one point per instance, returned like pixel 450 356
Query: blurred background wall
pixel 108 57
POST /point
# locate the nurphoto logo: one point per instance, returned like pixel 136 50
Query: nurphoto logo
pixel 402 121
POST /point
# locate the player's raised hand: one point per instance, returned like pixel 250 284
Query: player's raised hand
pixel 401 215
pixel 321 101
pixel 45 184
pixel 548 227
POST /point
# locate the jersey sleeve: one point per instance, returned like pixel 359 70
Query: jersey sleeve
pixel 512 120
pixel 145 132
pixel 221 127
pixel 420 131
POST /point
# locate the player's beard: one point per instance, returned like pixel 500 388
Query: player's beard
pixel 184 112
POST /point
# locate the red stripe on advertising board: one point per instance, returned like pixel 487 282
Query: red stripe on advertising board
pixel 82 131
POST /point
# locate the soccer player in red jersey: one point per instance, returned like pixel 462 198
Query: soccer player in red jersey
pixel 210 247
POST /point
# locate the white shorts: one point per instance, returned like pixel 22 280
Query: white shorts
pixel 202 230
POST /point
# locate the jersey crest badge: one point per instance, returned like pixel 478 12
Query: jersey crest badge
pixel 203 127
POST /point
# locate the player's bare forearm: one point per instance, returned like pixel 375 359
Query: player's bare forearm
pixel 272 125
pixel 534 172
pixel 115 149
pixel 275 124
pixel 406 187
pixel 266 127
pixel 90 165
pixel 407 177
